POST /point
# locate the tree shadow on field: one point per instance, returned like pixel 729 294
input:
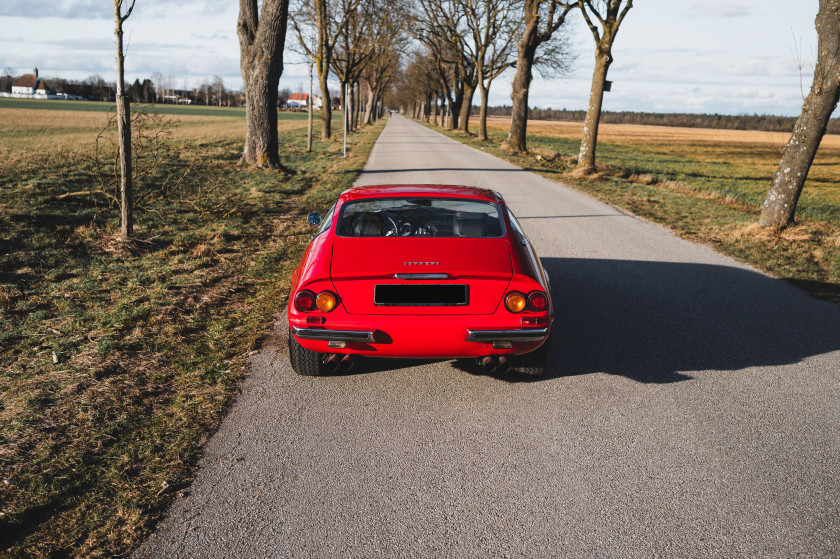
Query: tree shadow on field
pixel 656 322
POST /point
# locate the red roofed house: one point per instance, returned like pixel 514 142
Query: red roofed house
pixel 301 100
pixel 30 85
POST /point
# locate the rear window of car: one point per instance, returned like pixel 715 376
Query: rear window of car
pixel 420 217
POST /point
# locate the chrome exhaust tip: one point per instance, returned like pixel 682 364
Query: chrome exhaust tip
pixel 347 362
pixel 331 362
pixel 504 365
pixel 488 364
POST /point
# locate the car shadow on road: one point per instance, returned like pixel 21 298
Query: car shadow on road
pixel 657 322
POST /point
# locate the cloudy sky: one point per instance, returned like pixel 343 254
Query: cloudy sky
pixel 725 56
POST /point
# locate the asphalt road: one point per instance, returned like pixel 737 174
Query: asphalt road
pixel 692 410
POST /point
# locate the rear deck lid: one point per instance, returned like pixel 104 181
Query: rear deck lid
pixel 420 275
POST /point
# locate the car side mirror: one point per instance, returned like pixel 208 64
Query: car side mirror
pixel 314 219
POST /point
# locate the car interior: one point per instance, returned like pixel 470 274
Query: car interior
pixel 414 220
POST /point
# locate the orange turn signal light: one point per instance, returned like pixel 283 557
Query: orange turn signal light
pixel 326 301
pixel 515 302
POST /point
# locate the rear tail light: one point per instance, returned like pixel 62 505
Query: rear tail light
pixel 325 301
pixel 515 302
pixel 537 301
pixel 305 301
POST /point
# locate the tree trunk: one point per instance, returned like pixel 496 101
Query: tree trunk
pixel 326 102
pixel 261 40
pixel 369 106
pixel 482 114
pixel 124 130
pixel 466 109
pixel 526 51
pixel 261 141
pixel 780 205
pixel 454 113
pixel 586 158
pixel 126 184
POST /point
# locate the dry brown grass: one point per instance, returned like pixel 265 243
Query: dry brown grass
pixel 662 134
pixel 40 131
pixel 757 149
pixel 118 358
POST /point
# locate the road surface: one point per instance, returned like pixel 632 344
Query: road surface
pixel 692 409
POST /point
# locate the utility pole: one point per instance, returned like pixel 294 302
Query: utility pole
pixel 309 124
pixel 346 104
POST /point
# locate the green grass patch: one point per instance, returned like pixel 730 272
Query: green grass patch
pixel 119 358
pixel 166 109
pixel 706 192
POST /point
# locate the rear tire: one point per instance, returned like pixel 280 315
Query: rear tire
pixel 305 362
pixel 534 364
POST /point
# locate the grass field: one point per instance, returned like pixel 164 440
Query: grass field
pixel 104 107
pixel 119 359
pixel 736 163
pixel 707 185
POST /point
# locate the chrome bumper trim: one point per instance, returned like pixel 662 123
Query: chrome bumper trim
pixel 490 336
pixel 333 335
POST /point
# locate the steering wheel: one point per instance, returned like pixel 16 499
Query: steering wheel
pixel 389 228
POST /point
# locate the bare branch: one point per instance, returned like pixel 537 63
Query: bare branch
pixel 584 5
pixel 128 13
pixel 624 13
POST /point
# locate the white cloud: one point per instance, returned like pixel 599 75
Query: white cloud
pixel 97 9
pixel 722 10
pixel 68 9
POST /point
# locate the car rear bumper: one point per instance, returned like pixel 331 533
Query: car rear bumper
pixel 333 335
pixel 425 337
pixel 498 336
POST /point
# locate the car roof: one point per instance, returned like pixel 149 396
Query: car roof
pixel 420 190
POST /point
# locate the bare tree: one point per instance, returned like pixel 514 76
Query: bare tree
pixel 218 89
pixel 160 86
pixel 417 84
pixel 354 47
pixel 124 127
pixel 446 74
pixel 262 35
pixel 542 21
pixel 318 24
pixel 492 27
pixel 440 26
pixel 7 79
pixel 780 205
pixel 380 68
pixel 608 15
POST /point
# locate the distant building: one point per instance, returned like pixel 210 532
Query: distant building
pixel 31 86
pixel 301 101
pixel 177 97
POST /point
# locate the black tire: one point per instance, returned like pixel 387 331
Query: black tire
pixel 305 362
pixel 534 364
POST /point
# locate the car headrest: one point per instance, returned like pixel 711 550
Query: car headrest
pixel 367 224
pixel 469 224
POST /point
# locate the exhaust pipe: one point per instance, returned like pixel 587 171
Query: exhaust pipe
pixel 331 362
pixel 347 362
pixel 504 365
pixel 488 364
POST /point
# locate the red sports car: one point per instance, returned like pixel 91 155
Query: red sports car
pixel 419 271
